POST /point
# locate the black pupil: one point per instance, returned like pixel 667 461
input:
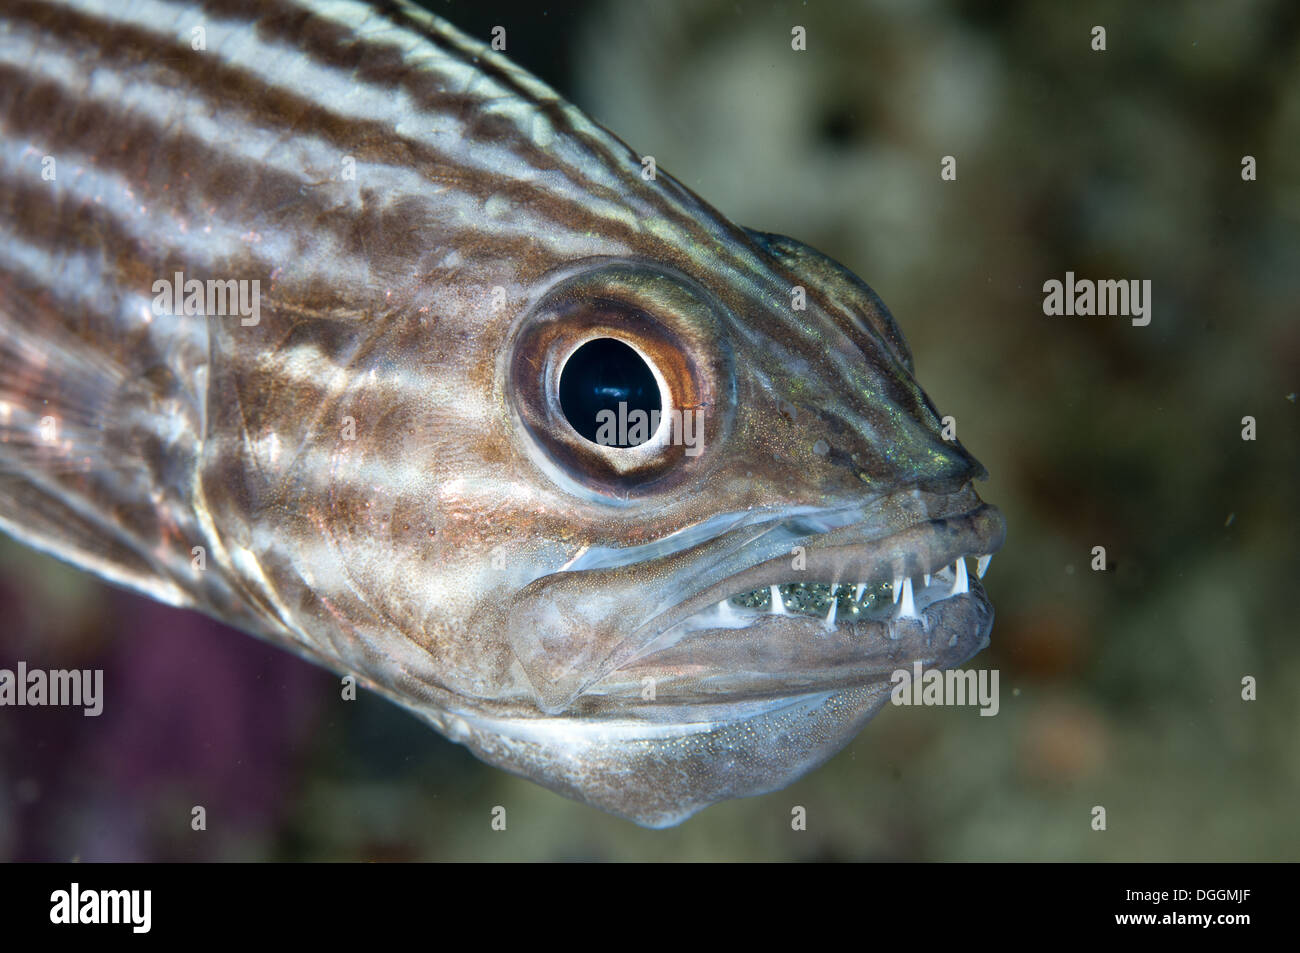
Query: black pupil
pixel 598 377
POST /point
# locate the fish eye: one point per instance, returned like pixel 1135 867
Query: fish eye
pixel 620 377
pixel 605 380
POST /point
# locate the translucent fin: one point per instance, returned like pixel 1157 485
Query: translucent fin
pixel 76 479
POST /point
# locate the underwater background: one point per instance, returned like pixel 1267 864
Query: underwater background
pixel 1119 688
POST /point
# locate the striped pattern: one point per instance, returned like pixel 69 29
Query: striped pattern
pixel 378 174
pixel 349 465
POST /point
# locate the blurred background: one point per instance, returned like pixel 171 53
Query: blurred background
pixel 1119 688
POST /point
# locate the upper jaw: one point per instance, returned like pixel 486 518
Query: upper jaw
pixel 858 553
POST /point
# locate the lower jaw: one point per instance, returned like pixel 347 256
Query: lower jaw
pixel 658 762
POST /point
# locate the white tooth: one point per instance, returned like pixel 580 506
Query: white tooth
pixel 830 616
pixel 959 584
pixel 926 577
pixel 898 585
pixel 982 565
pixel 778 607
pixel 857 596
pixel 906 607
pixel 726 614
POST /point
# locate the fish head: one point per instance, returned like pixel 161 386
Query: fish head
pixel 656 533
pixel 729 609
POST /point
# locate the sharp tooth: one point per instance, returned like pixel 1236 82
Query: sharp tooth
pixel 959 584
pixel 982 565
pixel 857 596
pixel 906 607
pixel 725 612
pixel 926 577
pixel 898 585
pixel 830 616
pixel 778 607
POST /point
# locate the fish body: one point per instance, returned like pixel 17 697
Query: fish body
pixel 322 318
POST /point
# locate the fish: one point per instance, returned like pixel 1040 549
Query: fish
pixel 327 320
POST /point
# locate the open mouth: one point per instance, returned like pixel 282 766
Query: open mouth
pixel 763 635
pixel 882 601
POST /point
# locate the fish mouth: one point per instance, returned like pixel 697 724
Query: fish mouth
pixel 772 632
pixel 682 686
pixel 689 614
